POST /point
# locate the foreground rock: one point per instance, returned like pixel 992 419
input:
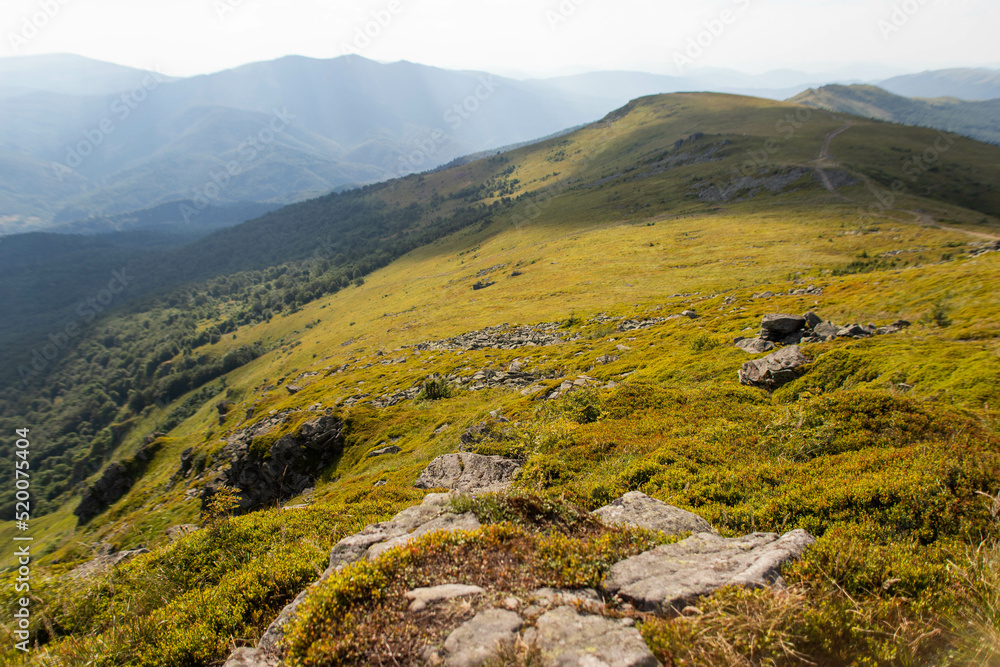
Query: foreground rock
pixel 475 641
pixel 640 511
pixel 774 370
pixel 469 473
pixel 432 514
pixel 671 577
pixel 568 638
pixel 250 657
pixel 422 597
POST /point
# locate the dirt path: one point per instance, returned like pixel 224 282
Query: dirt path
pixel 824 156
pixel 929 221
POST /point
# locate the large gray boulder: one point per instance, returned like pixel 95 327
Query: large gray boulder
pixel 469 473
pixel 670 577
pixel 774 370
pixel 640 511
pixel 775 327
pixel 567 638
pixel 476 641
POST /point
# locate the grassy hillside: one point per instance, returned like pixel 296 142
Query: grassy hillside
pixel 978 120
pixel 728 206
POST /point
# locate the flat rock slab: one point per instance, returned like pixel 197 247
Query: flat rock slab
pixel 476 641
pixel 250 657
pixel 421 597
pixel 448 523
pixel 567 638
pixel 469 473
pixel 640 511
pixel 774 370
pixel 670 577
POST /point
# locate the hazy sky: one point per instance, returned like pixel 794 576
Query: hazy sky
pixel 184 37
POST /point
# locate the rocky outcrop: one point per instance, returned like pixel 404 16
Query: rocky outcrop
pixel 774 370
pixel 116 481
pixel 567 638
pixel 469 473
pixel 671 577
pixel 638 510
pixel 567 627
pixel 432 514
pixel 287 469
pixel 502 337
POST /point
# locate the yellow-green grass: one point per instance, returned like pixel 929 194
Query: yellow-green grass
pixel 742 458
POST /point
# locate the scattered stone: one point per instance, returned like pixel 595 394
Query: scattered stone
pixel 107 559
pixel 826 330
pixel 755 345
pixel 501 337
pixel 567 638
pixel 640 511
pixel 853 331
pixel 812 320
pixel 293 389
pixel 670 577
pixel 476 641
pixel 250 657
pixel 586 598
pixel 421 597
pixel 690 314
pixel 774 370
pixel 606 359
pixel 469 473
pixel 391 449
pixel 775 327
pixel 441 429
pixel 175 533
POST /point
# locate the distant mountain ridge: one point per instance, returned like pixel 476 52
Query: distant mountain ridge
pixel 978 120
pixel 963 83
